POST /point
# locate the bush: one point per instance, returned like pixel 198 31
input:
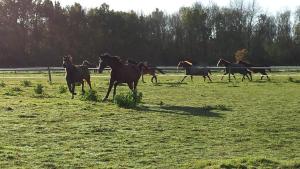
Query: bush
pixel 129 100
pixel 26 83
pixel 62 89
pixel 16 89
pixel 2 84
pixel 91 95
pixel 39 89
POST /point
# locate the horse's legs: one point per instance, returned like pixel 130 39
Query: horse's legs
pixel 115 88
pixel 224 75
pixel 73 90
pixel 130 85
pixel 82 87
pixel 143 78
pixel 248 77
pixel 209 78
pixel 183 79
pixel 191 78
pixel 155 78
pixel 88 80
pixel 135 83
pixel 111 83
pixel 262 76
pixel 204 78
pixel 243 78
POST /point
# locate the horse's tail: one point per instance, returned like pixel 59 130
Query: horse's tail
pixel 159 70
pixel 87 64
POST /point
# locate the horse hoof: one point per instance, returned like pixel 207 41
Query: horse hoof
pixel 104 99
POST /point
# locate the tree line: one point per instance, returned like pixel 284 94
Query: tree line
pixel 41 32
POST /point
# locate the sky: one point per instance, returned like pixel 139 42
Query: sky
pixel 171 6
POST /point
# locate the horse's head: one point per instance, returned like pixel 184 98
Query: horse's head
pixel 67 60
pixel 220 62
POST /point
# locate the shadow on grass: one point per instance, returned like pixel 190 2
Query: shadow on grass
pixel 207 111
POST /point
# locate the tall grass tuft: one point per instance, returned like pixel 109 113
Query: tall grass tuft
pixel 39 89
pixel 90 95
pixel 26 83
pixel 128 100
pixel 62 89
pixel 2 84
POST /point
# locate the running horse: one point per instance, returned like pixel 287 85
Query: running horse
pixel 76 74
pixel 194 71
pixel 150 70
pixel 120 72
pixel 233 68
pixel 257 69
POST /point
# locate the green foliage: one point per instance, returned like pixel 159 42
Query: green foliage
pixel 16 89
pixel 194 125
pixel 128 100
pixel 26 83
pixel 39 89
pixel 90 95
pixel 2 84
pixel 62 89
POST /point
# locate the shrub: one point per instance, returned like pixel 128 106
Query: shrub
pixel 26 83
pixel 2 84
pixel 90 95
pixel 62 89
pixel 129 100
pixel 16 89
pixel 39 89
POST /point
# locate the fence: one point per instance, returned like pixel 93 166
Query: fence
pixel 49 70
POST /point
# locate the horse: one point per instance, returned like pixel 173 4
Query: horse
pixel 193 71
pixel 233 68
pixel 76 74
pixel 120 72
pixel 262 71
pixel 148 70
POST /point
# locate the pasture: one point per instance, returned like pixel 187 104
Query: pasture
pixel 190 125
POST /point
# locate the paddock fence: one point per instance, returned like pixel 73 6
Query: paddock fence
pixel 168 69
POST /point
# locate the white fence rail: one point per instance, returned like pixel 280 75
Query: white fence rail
pixel 166 68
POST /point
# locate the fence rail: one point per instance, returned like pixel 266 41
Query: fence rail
pixel 166 68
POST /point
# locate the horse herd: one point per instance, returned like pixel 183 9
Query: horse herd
pixel 130 71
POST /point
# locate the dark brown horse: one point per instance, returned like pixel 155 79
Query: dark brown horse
pixel 257 69
pixel 120 72
pixel 191 70
pixel 148 70
pixel 76 74
pixel 233 68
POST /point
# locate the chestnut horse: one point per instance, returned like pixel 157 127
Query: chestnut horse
pixel 120 72
pixel 194 71
pixel 76 74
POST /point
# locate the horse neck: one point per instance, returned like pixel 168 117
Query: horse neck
pixel 226 63
pixel 114 66
pixel 70 68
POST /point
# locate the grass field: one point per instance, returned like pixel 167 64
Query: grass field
pixel 190 125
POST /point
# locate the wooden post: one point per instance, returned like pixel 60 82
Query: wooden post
pixel 49 74
pixel 229 69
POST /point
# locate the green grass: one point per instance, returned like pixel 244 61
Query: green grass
pixel 189 125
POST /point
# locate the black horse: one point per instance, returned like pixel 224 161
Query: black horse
pixel 191 70
pixel 150 70
pixel 120 72
pixel 76 74
pixel 257 69
pixel 233 68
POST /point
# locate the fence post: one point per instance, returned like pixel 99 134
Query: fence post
pixel 49 74
pixel 229 74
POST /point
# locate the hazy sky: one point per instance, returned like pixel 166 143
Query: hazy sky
pixel 171 6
